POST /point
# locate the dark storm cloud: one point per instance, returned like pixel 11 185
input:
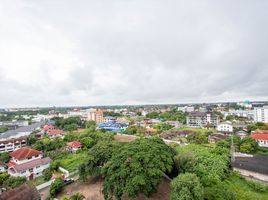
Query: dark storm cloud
pixel 117 52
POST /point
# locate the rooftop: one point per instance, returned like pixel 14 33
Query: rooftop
pixel 257 136
pixel 24 152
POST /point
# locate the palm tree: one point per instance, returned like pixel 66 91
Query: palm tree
pixel 77 196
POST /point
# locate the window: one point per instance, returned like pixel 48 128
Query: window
pixel 31 170
pixel 23 172
pixel 37 167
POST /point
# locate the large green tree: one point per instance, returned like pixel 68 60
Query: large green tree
pixel 137 167
pixel 186 187
pixel 56 187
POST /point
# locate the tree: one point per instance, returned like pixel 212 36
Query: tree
pixel 70 127
pixel 162 127
pixel 77 196
pixel 186 187
pixel 153 115
pixel 47 174
pixel 3 129
pixel 185 161
pixel 137 167
pixel 91 125
pixel 99 155
pixel 13 181
pixel 248 145
pixel 87 142
pixel 3 177
pixel 56 187
pixel 4 157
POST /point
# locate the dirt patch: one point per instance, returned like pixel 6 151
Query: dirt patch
pixel 92 190
pixel 124 138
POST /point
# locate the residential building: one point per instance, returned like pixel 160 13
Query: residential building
pixel 186 108
pixel 74 146
pixel 240 113
pixel 242 134
pixel 95 115
pixel 22 131
pixel 213 138
pixel 55 133
pixel 262 139
pixel 27 162
pixel 202 119
pixel 261 114
pixel 12 144
pixel 14 124
pixel 48 127
pixel 225 127
pixel 252 166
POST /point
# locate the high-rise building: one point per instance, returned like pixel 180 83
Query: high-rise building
pixel 95 115
pixel 261 114
pixel 202 119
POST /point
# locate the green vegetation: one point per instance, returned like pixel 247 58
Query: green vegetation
pixel 71 162
pixel 173 115
pixel 12 181
pixel 162 127
pixel 186 187
pixel 69 124
pixel 135 130
pixel 4 157
pixel 37 181
pixel 258 125
pixel 3 129
pixel 56 187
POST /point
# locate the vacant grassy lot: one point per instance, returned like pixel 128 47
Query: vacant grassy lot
pixel 243 190
pixel 72 161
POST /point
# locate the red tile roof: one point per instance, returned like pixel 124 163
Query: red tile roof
pixel 24 152
pixel 48 127
pixel 259 136
pixel 74 144
pixel 55 132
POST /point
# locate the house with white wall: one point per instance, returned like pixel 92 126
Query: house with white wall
pixel 27 162
pixel 225 127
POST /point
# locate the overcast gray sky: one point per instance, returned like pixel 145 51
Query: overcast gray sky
pixel 132 52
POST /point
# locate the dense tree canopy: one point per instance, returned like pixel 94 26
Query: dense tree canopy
pixel 186 187
pixel 137 167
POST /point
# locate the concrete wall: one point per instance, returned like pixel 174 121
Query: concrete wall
pixel 255 175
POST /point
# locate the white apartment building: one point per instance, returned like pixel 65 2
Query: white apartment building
pixel 225 127
pixel 186 108
pixel 202 119
pixel 261 114
pixel 12 144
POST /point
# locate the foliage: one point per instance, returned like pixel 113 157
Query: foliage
pixel 137 167
pixel 135 130
pixel 248 145
pixel 47 174
pixel 258 125
pixel 90 125
pixel 198 138
pixel 162 127
pixel 56 187
pixel 153 115
pixel 69 124
pixel 172 115
pixel 98 156
pixel 71 162
pixel 3 129
pixel 4 157
pixel 209 164
pixel 47 144
pixel 13 181
pixel 185 161
pixel 186 187
pixel 219 191
pixel 54 166
pixel 31 140
pixel 69 137
pixel 3 177
pixel 77 196
pixel 87 142
pixel 112 114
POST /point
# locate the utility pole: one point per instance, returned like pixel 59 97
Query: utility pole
pixel 232 150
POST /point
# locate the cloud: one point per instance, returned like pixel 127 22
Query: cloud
pixel 132 52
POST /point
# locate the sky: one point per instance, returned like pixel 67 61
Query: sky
pixel 84 53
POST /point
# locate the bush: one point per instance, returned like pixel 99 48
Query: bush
pixel 47 174
pixel 13 181
pixel 258 187
pixel 56 187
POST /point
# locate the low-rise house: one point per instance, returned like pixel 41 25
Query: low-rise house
pixel 48 127
pixel 23 192
pixel 27 162
pixel 242 134
pixel 252 166
pixel 225 127
pixel 55 133
pixel 262 139
pixel 213 138
pixel 74 146
pixel 12 144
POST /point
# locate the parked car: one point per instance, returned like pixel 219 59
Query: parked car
pixel 68 181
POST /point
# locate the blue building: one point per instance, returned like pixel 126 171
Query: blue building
pixel 113 127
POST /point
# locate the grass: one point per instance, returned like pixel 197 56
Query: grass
pixel 36 181
pixel 199 130
pixel 72 161
pixel 245 189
